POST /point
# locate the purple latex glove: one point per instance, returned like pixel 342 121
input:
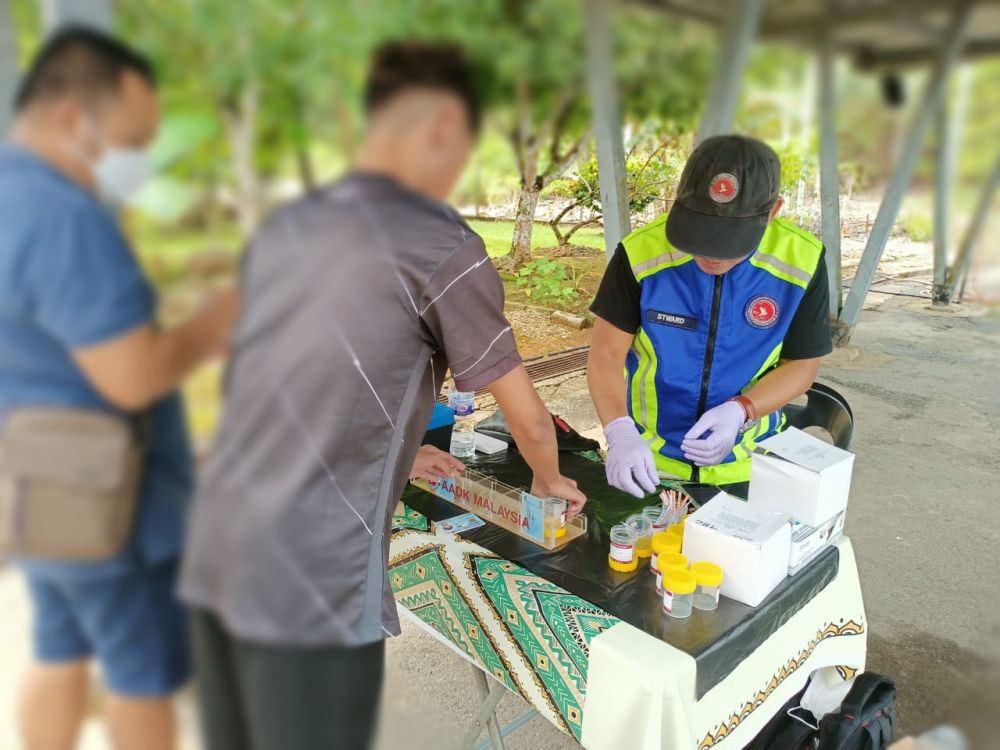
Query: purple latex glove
pixel 630 466
pixel 723 424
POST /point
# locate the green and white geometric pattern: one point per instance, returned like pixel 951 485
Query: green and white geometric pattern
pixel 524 630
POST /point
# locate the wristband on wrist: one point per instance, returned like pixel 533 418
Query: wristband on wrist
pixel 748 407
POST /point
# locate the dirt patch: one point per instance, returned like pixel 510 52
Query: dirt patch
pixel 537 334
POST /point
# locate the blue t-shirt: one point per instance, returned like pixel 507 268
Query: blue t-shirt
pixel 69 280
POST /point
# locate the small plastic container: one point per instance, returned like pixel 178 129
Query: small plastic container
pixel 555 518
pixel 669 561
pixel 676 528
pixel 643 534
pixel 622 557
pixel 657 517
pixel 708 576
pixel 662 543
pixel 678 592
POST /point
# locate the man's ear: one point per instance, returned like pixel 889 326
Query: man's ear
pixel 776 209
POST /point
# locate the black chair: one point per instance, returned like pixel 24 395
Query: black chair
pixel 827 409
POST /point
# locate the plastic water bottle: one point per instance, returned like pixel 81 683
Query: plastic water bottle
pixel 463 435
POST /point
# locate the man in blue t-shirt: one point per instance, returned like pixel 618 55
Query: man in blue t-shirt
pixel 78 329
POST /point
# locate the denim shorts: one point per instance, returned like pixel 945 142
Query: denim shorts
pixel 132 623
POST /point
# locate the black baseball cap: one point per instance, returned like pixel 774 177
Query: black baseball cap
pixel 727 190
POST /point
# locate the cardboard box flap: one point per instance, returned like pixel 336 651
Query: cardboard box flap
pixel 803 449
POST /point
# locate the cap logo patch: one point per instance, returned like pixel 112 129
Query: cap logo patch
pixel 762 312
pixel 723 187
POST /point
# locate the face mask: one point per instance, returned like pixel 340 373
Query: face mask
pixel 120 173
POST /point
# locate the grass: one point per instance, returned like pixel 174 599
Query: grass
pixel 498 234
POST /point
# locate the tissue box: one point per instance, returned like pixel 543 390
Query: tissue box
pixel 809 541
pixel 802 476
pixel 752 546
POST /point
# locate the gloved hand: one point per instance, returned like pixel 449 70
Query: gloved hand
pixel 723 424
pixel 630 465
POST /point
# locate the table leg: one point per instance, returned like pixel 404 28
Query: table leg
pixel 491 696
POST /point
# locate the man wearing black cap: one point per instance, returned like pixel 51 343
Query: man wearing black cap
pixel 719 313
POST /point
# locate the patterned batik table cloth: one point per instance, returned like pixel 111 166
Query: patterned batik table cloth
pixel 603 681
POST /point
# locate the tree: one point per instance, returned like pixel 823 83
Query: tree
pixel 646 175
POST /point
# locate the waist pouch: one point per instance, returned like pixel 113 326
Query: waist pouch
pixel 69 483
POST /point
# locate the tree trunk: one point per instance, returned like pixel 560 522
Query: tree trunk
pixel 524 223
pixel 241 127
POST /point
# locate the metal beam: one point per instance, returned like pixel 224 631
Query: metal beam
pixel 951 47
pixel 963 259
pixel 870 60
pixel 611 173
pixel 847 16
pixel 96 13
pixel 829 174
pixel 734 49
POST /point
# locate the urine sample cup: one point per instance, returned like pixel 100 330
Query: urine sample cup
pixel 643 534
pixel 676 528
pixel 662 543
pixel 668 561
pixel 657 517
pixel 555 518
pixel 622 557
pixel 678 591
pixel 708 576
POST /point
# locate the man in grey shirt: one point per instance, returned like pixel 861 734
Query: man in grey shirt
pixel 356 301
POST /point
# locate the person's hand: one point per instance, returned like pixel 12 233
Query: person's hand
pixel 221 310
pixel 561 487
pixel 630 466
pixel 433 463
pixel 723 424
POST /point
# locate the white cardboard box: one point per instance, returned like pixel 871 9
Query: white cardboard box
pixel 751 546
pixel 801 475
pixel 809 541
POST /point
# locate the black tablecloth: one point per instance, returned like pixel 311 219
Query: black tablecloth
pixel 717 640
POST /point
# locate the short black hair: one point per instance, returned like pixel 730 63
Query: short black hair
pixel 401 65
pixel 81 60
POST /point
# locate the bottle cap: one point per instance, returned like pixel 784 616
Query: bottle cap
pixel 678 581
pixel 707 574
pixel 671 561
pixel 664 542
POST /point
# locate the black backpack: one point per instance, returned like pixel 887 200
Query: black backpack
pixel 865 721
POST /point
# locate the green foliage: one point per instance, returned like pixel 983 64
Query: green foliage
pixel 919 227
pixel 547 280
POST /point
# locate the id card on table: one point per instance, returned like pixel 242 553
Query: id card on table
pixel 460 524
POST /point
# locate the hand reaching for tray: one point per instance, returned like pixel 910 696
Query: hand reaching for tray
pixel 433 463
pixel 562 487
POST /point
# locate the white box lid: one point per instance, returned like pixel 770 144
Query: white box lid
pixel 805 450
pixel 735 518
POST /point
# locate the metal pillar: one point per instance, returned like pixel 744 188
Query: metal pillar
pixel 8 65
pixel 949 126
pixel 611 173
pixel 96 13
pixel 944 167
pixel 963 259
pixel 829 175
pixel 743 18
pixel 950 49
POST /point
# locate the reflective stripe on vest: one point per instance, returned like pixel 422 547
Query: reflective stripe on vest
pixel 667 367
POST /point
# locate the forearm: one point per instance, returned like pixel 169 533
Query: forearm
pixel 176 352
pixel 529 422
pixel 139 367
pixel 606 382
pixel 790 379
